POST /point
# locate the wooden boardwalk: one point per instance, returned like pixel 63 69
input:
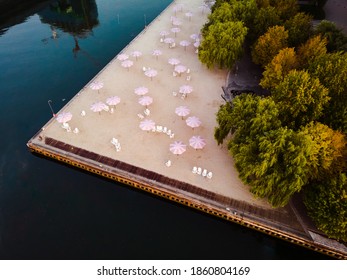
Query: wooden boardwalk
pixel 282 223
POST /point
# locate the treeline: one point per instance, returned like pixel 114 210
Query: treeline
pixel 293 140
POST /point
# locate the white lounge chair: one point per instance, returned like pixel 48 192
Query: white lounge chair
pixel 144 69
pixel 76 130
pixel 111 110
pixel 83 113
pixel 168 163
pixel 188 78
pixel 140 116
pixel 159 128
pixel 184 95
pixel 195 169
pixel 174 93
pixel 172 135
pixel 168 132
pixel 204 173
pixel 188 71
pixel 209 175
pixel 199 171
pixel 164 129
pixel 147 112
pixel 174 74
pixel 161 40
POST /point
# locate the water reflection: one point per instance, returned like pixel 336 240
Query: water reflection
pixel 74 17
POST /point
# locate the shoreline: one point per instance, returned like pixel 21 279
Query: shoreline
pixel 140 164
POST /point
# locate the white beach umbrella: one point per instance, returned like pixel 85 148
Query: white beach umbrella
pixel 180 69
pixel 98 107
pixel 177 148
pixel 127 64
pixel 113 100
pixel 186 89
pixel 96 85
pixel 175 30
pixel 145 100
pixel 174 61
pixel 141 90
pixel 197 142
pixel 156 53
pixel 182 111
pixel 147 125
pixel 193 122
pixel 151 73
pixel 122 57
pixel 136 54
pixel 185 44
pixel 64 117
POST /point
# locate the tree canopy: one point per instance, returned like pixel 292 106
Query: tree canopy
pixel 311 50
pixel 278 68
pixel 268 45
pixel 337 40
pixel 326 202
pixel 299 29
pixel 222 44
pixel 300 97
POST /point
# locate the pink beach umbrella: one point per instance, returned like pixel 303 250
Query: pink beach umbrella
pixel 189 15
pixel 180 69
pixel 197 142
pixel 96 85
pixel 122 57
pixel 145 100
pixel 193 122
pixel 182 111
pixel 164 33
pixel 204 8
pixel 185 44
pixel 174 61
pixel 194 36
pixel 98 107
pixel 64 117
pixel 177 148
pixel 113 100
pixel 186 89
pixel 127 64
pixel 196 44
pixel 169 40
pixel 141 90
pixel 175 30
pixel 156 53
pixel 176 22
pixel 151 73
pixel 147 125
pixel 136 54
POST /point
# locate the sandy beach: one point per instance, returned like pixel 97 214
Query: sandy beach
pixel 150 150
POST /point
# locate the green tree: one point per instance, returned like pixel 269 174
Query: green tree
pixel 264 19
pixel 268 45
pixel 331 70
pixel 273 164
pixel 326 150
pixel 225 121
pixel 223 44
pixel 337 40
pixel 286 8
pixel 299 29
pixel 311 50
pixel 278 68
pixel 326 202
pixel 301 98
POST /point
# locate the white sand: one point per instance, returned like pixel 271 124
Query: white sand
pixel 150 150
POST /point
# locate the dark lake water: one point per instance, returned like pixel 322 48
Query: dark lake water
pixel 51 211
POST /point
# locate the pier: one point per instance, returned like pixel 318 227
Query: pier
pixel 140 160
